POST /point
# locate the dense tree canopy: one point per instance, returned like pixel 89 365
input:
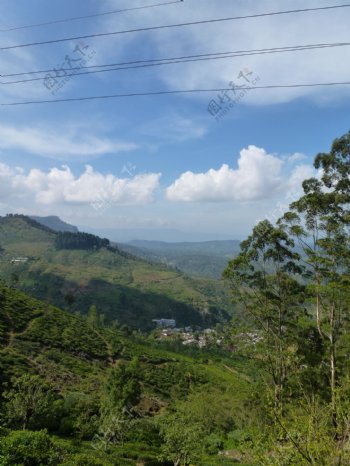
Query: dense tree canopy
pixel 68 240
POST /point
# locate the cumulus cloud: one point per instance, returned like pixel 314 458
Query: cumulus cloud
pixel 258 176
pixel 61 186
pixel 296 157
pixel 299 174
pixel 61 144
pixel 6 175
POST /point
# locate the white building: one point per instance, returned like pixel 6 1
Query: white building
pixel 165 323
pixel 19 260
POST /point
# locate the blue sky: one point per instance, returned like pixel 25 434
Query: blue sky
pixel 165 162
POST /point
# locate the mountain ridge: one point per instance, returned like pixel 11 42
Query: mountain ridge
pixel 55 223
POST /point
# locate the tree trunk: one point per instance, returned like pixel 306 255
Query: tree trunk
pixel 332 366
pixel 318 306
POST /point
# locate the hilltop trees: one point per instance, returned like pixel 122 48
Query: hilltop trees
pixel 293 279
pixel 320 222
pixel 86 241
pixel 261 277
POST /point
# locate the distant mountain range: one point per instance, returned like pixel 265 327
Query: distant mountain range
pixel 124 235
pixel 55 223
pixel 203 259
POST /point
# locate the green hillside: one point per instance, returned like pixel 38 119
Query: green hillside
pixel 61 374
pixel 123 287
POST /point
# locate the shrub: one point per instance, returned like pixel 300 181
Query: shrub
pixel 82 459
pixel 29 448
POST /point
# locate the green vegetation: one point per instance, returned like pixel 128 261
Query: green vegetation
pixel 77 270
pixel 85 241
pixel 274 390
pixel 73 392
pixel 28 448
pixel 298 302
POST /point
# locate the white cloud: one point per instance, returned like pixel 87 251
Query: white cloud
pixel 6 175
pixel 258 176
pixel 61 186
pixel 296 157
pixel 61 144
pixel 299 174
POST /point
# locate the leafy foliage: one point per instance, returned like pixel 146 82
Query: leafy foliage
pixel 30 402
pixel 28 449
pixel 300 302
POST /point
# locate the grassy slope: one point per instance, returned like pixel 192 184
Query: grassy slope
pixel 31 330
pixel 123 287
pixel 74 357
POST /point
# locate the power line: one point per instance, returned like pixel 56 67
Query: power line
pixel 179 61
pixel 173 60
pixel 179 91
pixel 220 56
pixel 77 18
pixel 168 26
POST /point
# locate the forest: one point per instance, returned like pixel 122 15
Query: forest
pixel 85 241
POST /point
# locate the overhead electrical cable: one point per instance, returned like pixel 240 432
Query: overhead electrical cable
pixel 95 15
pixel 169 26
pixel 289 48
pixel 174 92
pixel 170 61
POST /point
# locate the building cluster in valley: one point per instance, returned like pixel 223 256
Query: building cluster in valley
pixel 19 260
pixel 167 330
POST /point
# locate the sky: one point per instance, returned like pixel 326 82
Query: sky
pixel 203 164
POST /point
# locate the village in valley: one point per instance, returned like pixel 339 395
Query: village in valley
pixel 166 330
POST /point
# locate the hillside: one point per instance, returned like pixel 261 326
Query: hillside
pixel 199 259
pixel 61 355
pixel 205 259
pixel 123 287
